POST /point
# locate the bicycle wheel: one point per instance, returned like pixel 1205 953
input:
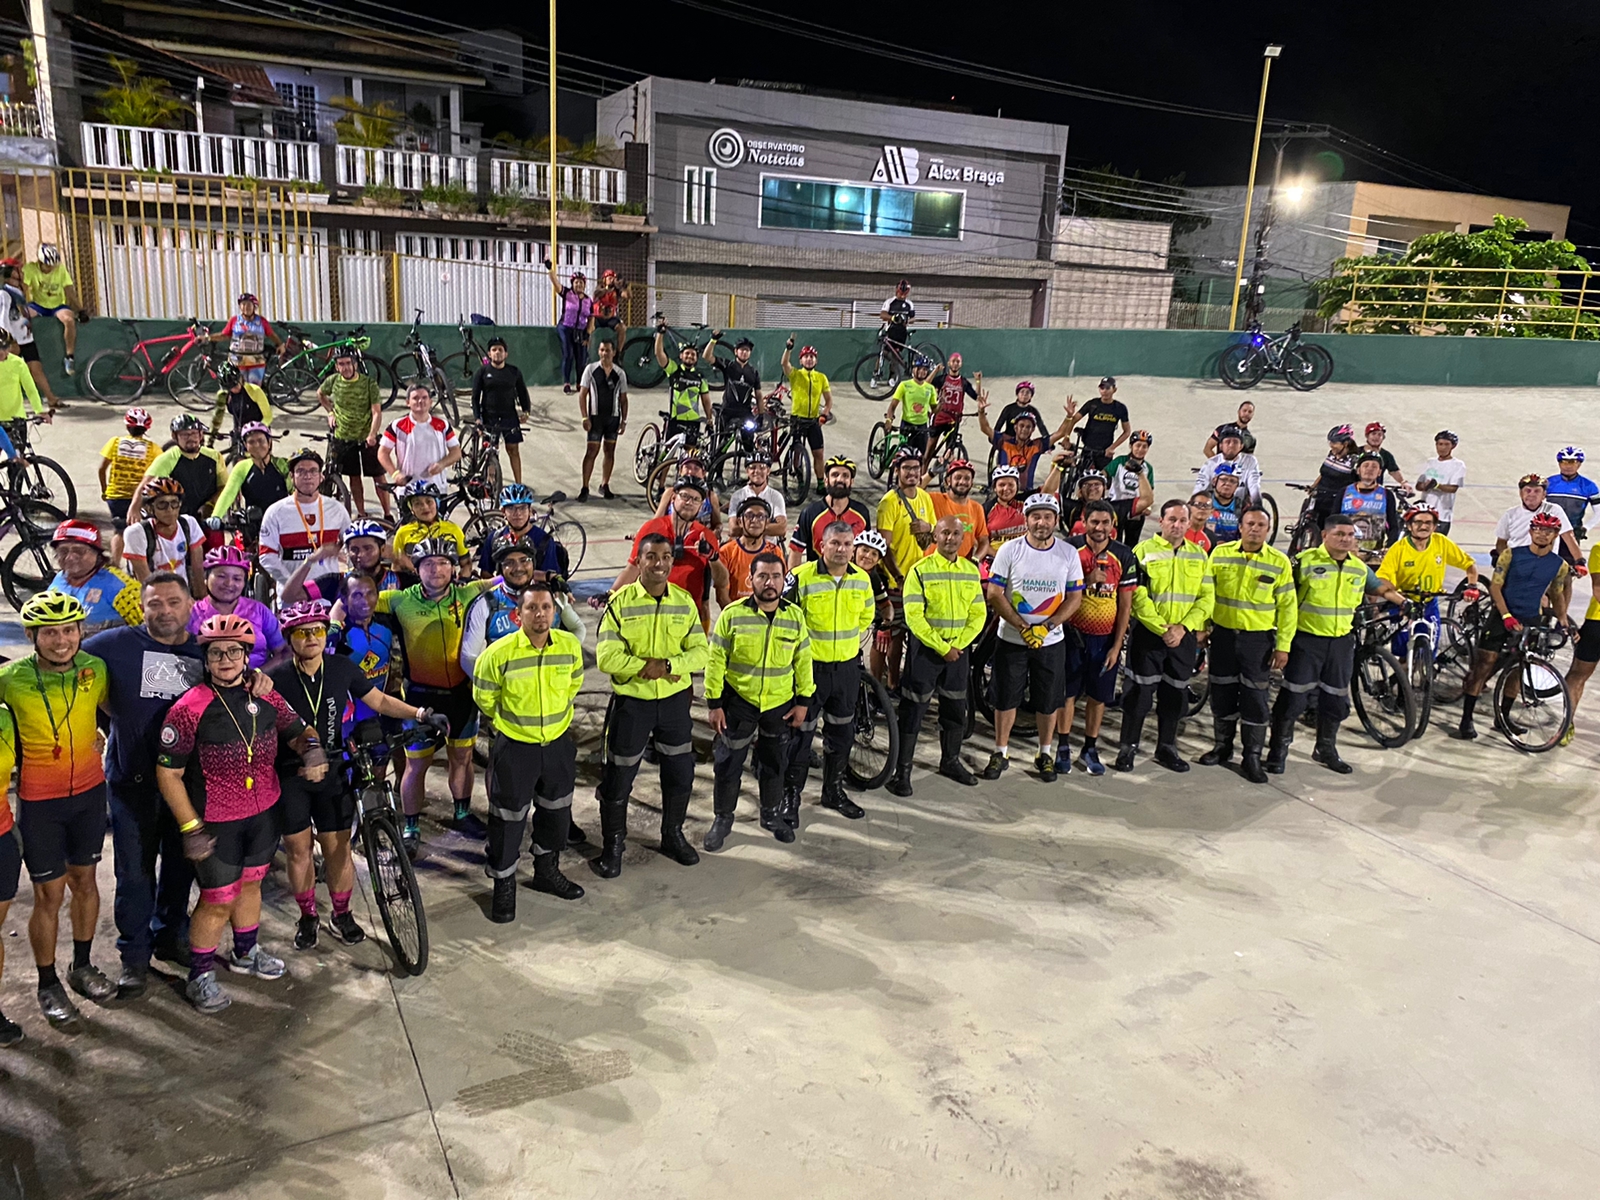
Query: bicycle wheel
pixel 877 374
pixel 458 371
pixel 335 488
pixel 1270 503
pixel 383 375
pixel 875 738
pixel 481 527
pixel 293 388
pixel 1303 536
pixel 727 472
pixel 394 887
pixel 796 485
pixel 639 363
pixel 1451 662
pixel 1531 704
pixel 445 397
pixel 574 539
pixel 1383 698
pixel 26 570
pixel 877 440
pixel 116 376
pixel 193 385
pixel 644 452
pixel 931 352
pixel 1302 369
pixel 656 486
pixel 42 479
pixel 1419 665
pixel 1241 366
pixel 1323 365
pixel 1199 688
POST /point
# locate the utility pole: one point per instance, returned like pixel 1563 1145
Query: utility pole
pixel 555 261
pixel 1254 299
pixel 1268 55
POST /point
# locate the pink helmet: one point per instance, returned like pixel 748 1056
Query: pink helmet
pixel 306 612
pixel 1026 383
pixel 228 556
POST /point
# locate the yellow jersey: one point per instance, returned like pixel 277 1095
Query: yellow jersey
pixel 130 458
pixel 805 392
pixel 1417 572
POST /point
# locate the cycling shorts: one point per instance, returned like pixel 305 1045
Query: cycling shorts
pixel 604 429
pixel 10 865
pixel 458 708
pixel 327 804
pixel 507 428
pixel 250 842
pixel 1588 647
pixel 60 833
pixel 916 437
pixel 809 429
pixel 607 322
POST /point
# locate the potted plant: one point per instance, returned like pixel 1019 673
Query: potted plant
pixel 632 213
pixel 381 195
pixel 448 197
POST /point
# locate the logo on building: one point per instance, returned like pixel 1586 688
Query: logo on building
pixel 725 148
pixel 898 164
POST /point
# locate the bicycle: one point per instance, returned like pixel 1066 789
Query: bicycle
pixel 875 735
pixel 1305 533
pixel 418 362
pixel 32 476
pixel 1304 366
pixel 1269 504
pixel 883 443
pixel 638 359
pixel 1532 706
pixel 1417 642
pixel 570 537
pixel 300 371
pixel 1380 689
pixel 29 566
pixel 115 376
pixel 389 871
pixel 882 369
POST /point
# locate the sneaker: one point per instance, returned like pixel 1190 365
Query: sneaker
pixel 583 495
pixel 10 1032
pixel 305 932
pixel 998 763
pixel 606 493
pixel 1566 738
pixel 1089 760
pixel 469 826
pixel 1046 765
pixel 411 839
pixel 133 981
pixel 57 1009
pixel 345 930
pixel 1063 758
pixel 206 994
pixel 68 367
pixel 91 983
pixel 258 963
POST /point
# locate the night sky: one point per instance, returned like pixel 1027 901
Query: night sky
pixel 1495 96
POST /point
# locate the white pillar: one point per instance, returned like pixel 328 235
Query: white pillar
pixel 455 120
pixel 199 106
pixel 43 96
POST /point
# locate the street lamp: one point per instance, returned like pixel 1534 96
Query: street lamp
pixel 1268 55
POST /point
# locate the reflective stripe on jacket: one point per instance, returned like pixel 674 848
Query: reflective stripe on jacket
pixel 637 627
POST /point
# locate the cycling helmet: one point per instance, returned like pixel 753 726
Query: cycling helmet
pixel 515 493
pixel 839 460
pixel 744 341
pixel 1005 471
pixel 138 418
pixel 903 286
pixel 1447 436
pixel 228 377
pixel 186 421
pixel 345 351
pixel 759 458
pixel 306 455
pixel 955 356
pixel 254 427
pixel 904 455
pixel 608 273
pixel 1142 435
pixel 306 612
pixel 520 546
pixel 1544 520
pixel 1042 500
pixel 805 350
pixel 577 275
pixel 1093 477
pixel 750 502
pixel 1026 385
pixel 1342 433
pixel 921 363
pixel 225 627
pixel 1533 479
pixel 49 255
pixel 227 556
pixel 433 548
pixel 691 483
pixel 163 486
pixel 1569 454
pixel 958 464
pixel 874 539
pixel 1376 427
pixel 1230 431
pixel 250 296
pixel 85 533
pixel 691 457
pixel 1422 511
pixel 52 608
pixel 366 527
pixel 1367 456
pixel 421 487
pixel 1224 469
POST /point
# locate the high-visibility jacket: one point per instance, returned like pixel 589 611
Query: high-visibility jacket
pixel 1254 591
pixel 944 603
pixel 765 657
pixel 1175 586
pixel 1329 591
pixel 638 626
pixel 525 691
pixel 838 610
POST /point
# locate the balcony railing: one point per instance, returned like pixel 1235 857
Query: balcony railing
pixel 408 170
pixel 597 185
pixel 19 119
pixel 134 148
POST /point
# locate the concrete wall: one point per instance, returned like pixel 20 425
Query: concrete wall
pixel 1086 298
pixel 1098 242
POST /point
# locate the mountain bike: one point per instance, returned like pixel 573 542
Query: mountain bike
pixel 570 537
pixel 638 359
pixel 117 376
pixel 1305 533
pixel 389 871
pixel 291 383
pixel 1532 706
pixel 875 735
pixel 1303 366
pixel 1380 689
pixel 29 566
pixel 1416 645
pixel 882 369
pixel 883 443
pixel 418 363
pixel 32 476
pixel 461 368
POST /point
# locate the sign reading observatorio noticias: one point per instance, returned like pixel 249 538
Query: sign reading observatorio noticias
pixel 727 148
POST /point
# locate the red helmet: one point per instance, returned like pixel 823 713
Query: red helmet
pixel 138 418
pixel 608 273
pixel 225 627
pixel 958 464
pixel 1376 427
pixel 1544 520
pixel 805 350
pixel 84 533
pixel 228 556
pixel 1028 384
pixel 902 287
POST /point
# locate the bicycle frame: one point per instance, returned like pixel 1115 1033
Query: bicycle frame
pixel 190 338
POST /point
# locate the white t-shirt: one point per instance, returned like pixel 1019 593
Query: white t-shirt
pixel 1513 524
pixel 417 444
pixel 770 494
pixel 1245 467
pixel 172 554
pixel 1036 582
pixel 1451 472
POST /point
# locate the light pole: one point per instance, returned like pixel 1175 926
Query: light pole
pixel 1271 53
pixel 555 261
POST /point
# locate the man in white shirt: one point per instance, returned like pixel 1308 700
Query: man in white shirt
pixel 758 470
pixel 296 527
pixel 1512 529
pixel 1439 479
pixel 419 445
pixel 1245 466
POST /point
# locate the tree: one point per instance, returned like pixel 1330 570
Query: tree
pixel 1489 284
pixel 370 125
pixel 140 100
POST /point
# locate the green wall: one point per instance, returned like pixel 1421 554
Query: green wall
pixel 1009 353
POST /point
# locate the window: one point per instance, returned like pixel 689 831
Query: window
pixel 296 118
pixel 699 196
pixel 830 206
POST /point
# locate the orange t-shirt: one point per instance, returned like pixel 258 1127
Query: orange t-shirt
pixel 970 513
pixel 737 559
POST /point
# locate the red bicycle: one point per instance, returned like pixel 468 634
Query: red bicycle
pixel 118 376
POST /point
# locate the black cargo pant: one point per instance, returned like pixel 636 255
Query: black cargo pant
pixel 1320 667
pixel 747 725
pixel 525 776
pixel 927 674
pixel 1160 673
pixel 630 723
pixel 838 684
pixel 1240 662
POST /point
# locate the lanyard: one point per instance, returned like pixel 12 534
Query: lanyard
pixel 250 742
pixel 305 525
pixel 49 712
pixel 316 705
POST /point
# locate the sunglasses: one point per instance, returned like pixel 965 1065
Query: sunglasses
pixel 308 633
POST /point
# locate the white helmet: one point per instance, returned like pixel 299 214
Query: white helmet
pixel 871 537
pixel 49 255
pixel 1041 500
pixel 1006 471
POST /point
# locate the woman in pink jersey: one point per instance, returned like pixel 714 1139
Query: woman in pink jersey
pixel 227 571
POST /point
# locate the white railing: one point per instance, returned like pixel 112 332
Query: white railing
pixel 20 119
pixel 408 170
pixel 597 185
pixel 136 148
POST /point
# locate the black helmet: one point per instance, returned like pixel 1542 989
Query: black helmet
pixel 744 341
pixel 1230 431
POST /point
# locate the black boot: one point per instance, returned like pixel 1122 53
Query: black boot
pixel 789 808
pixel 547 877
pixel 1326 750
pixel 503 910
pixel 575 834
pixel 1254 737
pixel 1125 755
pixel 843 805
pixel 772 821
pixel 1167 755
pixel 1222 751
pixel 613 838
pixel 1278 752
pixel 673 844
pixel 721 827
pixel 900 782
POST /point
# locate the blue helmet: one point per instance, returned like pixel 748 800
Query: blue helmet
pixel 366 527
pixel 515 493
pixel 1569 454
pixel 922 362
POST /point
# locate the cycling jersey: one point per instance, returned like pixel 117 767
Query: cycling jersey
pixel 47 288
pixel 247 339
pixel 1124 473
pixel 1024 456
pixel 1223 524
pixel 130 457
pixel 901 312
pixel 1374 513
pixel 691 569
pixel 370 647
pixel 741 382
pixel 430 630
pixel 1418 572
pixel 110 596
pixel 689 389
pixel 247 404
pixel 1097 613
pixel 158 551
pixel 1245 468
pixel 805 393
pixel 606 302
pixel 1572 496
pixel 17 387
pixel 8 764
pixel 953 392
pixel 418 444
pixel 56 714
pixel 575 308
pixel 412 532
pixel 293 529
pixel 974 528
pixel 817 516
pixel 737 558
pixel 225 742
pixel 603 392
pixel 490 617
pixel 269 635
pixel 259 487
pixel 917 401
pixel 1004 521
pixel 202 476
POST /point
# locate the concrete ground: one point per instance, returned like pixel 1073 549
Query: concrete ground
pixel 1137 987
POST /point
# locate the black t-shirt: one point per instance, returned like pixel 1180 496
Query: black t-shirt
pixel 1008 418
pixel 497 393
pixel 741 382
pixel 900 311
pixel 1101 421
pixel 1389 463
pixel 145 676
pixel 1246 438
pixel 340 682
pixel 199 478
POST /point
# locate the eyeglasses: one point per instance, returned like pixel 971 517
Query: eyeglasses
pixel 307 633
pixel 226 653
pixel 167 504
